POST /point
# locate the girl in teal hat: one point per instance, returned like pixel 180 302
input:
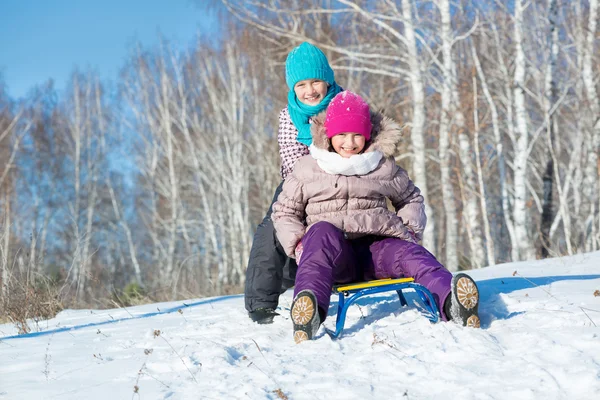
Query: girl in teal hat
pixel 312 86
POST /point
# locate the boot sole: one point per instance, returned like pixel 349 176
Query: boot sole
pixel 467 299
pixel 304 316
pixel 473 322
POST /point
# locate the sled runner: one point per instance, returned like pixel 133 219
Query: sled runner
pixel 356 290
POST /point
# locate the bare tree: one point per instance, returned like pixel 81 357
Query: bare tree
pixel 163 188
pixel 12 131
pixel 552 168
pixel 79 131
pixel 392 27
pixel 417 133
pixel 489 240
pixel 447 111
pixel 593 139
pixel 522 244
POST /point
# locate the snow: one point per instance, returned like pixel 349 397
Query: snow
pixel 539 341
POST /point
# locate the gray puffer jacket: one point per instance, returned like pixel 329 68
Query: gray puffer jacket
pixel 354 203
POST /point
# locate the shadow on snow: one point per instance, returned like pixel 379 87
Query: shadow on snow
pixel 491 305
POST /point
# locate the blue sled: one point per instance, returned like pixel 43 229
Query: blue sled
pixel 355 291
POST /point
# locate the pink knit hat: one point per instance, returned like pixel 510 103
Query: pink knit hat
pixel 348 113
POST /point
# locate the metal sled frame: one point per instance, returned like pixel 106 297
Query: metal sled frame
pixel 355 291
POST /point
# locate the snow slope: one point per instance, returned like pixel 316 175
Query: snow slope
pixel 539 340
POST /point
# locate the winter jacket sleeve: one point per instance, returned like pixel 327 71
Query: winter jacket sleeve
pixel 290 149
pixel 289 214
pixel 408 202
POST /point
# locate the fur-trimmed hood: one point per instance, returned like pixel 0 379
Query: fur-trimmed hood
pixel 385 135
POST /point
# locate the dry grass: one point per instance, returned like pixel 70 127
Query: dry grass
pixel 280 395
pixel 30 300
pixel 28 303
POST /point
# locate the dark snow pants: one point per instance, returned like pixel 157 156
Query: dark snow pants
pixel 329 258
pixel 270 271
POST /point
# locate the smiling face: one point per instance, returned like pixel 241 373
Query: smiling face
pixel 348 144
pixel 311 91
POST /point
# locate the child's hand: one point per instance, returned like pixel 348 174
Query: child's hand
pixel 298 251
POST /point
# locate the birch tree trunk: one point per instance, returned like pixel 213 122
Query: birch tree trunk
pixel 93 160
pixel 417 132
pixel 550 97
pixel 522 245
pixel 167 123
pixel 84 134
pixel 470 208
pixel 552 172
pixel 448 195
pixel 188 121
pixel 5 247
pixel 498 142
pixel 489 240
pixel 90 210
pixel 593 140
pixel 75 133
pixel 130 243
pixel 11 139
pixel 509 105
pixel 32 265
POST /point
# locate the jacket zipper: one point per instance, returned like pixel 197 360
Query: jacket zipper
pixel 347 198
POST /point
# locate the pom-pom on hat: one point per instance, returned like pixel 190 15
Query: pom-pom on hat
pixel 307 62
pixel 348 113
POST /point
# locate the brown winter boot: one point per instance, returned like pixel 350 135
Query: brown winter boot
pixel 465 301
pixel 305 316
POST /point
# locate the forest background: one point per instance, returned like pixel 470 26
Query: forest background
pixel 152 190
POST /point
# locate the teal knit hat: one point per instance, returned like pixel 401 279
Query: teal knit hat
pixel 307 62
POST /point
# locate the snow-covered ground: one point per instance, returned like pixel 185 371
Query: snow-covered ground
pixel 539 340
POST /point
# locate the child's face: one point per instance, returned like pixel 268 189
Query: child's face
pixel 311 91
pixel 348 144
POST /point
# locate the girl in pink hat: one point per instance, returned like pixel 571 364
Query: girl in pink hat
pixel 350 235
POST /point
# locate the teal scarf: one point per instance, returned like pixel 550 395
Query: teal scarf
pixel 300 113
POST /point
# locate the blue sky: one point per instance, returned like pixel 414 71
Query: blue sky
pixel 48 39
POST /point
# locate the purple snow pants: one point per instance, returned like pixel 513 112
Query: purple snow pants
pixel 328 258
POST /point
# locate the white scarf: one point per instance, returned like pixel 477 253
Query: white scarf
pixel 358 164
